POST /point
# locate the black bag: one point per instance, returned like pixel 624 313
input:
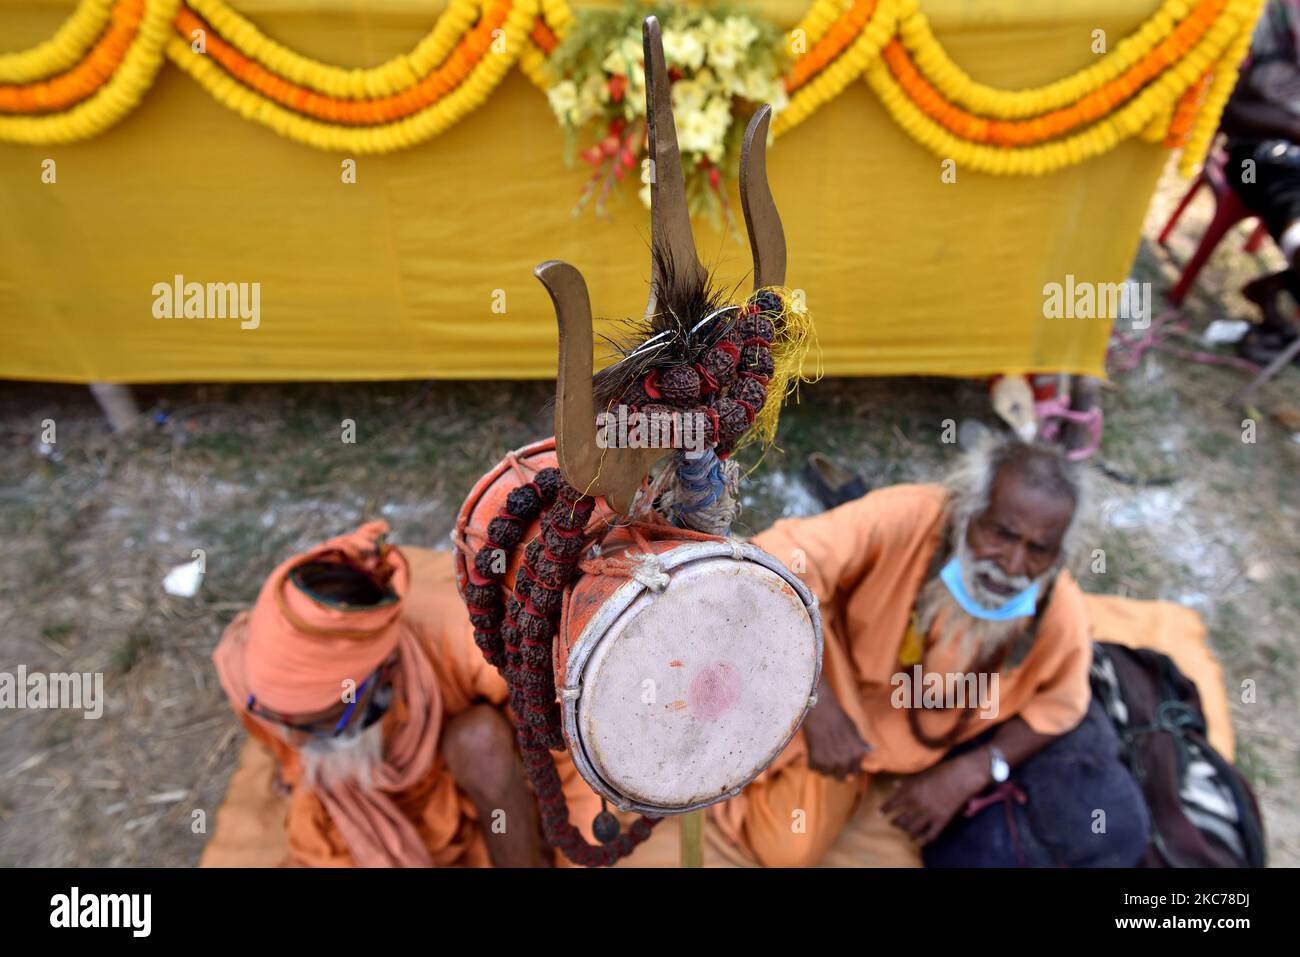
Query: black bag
pixel 1203 813
pixel 1044 815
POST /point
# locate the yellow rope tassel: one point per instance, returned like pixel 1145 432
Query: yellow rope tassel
pixel 793 339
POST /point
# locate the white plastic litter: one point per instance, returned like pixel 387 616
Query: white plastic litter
pixel 1223 332
pixel 183 581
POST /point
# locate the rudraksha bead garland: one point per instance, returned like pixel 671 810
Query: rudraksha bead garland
pixel 516 638
pixel 727 387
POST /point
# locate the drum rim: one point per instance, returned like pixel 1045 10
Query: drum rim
pixel 476 494
pixel 584 647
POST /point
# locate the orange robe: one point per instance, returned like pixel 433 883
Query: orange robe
pixel 866 561
pixel 442 813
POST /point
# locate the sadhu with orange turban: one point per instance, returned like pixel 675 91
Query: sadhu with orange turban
pixel 357 667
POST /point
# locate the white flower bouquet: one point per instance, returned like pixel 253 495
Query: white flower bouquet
pixel 721 65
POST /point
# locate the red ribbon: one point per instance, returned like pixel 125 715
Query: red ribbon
pixel 708 384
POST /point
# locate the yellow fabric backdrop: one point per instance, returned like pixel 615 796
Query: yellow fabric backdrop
pixel 397 275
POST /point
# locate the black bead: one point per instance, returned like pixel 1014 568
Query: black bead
pixel 524 502
pixel 605 827
pixel 767 301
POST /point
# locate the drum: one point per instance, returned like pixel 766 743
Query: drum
pixel 680 684
pixel 683 664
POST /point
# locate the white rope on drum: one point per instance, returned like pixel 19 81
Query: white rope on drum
pixel 650 572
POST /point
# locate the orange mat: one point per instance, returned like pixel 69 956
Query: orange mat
pixel 250 831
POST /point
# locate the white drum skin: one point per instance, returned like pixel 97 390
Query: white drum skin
pixel 676 699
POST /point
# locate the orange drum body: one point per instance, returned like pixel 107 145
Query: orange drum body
pixel 683 666
pixel 488 497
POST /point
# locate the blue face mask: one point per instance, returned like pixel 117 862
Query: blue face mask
pixel 1017 606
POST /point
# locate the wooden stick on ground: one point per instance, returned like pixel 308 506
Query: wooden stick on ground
pixel 1242 395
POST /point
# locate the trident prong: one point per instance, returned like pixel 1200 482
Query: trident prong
pixel 617 473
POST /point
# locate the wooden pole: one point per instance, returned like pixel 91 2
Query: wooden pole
pixel 1084 394
pixel 117 403
pixel 693 839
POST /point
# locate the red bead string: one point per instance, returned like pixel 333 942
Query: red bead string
pixel 517 635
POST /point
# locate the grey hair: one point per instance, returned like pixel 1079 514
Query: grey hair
pixel 350 758
pixel 1045 467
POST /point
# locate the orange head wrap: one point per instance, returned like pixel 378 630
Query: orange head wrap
pixel 302 649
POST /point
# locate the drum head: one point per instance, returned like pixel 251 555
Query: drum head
pixel 692 691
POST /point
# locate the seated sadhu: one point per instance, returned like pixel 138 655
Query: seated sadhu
pixel 357 668
pixel 957 652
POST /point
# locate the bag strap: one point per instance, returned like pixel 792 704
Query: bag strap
pixel 1184 721
pixel 1250 824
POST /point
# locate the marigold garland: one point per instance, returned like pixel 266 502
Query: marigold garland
pixel 955 85
pixel 542 37
pixel 558 16
pixel 1222 84
pixel 419 96
pixel 62 91
pixel 1125 122
pixel 1166 82
pixel 848 67
pixel 1158 128
pixel 552 24
pixel 60 51
pixel 387 79
pixel 831 44
pixel 116 97
pixel 532 63
pixel 1184 112
pixel 819 18
pixel 1093 106
pixel 402 134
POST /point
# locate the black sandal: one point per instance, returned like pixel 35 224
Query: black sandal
pixel 832 484
pixel 1262 345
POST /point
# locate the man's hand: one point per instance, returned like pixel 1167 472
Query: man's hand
pixel 834 746
pixel 924 803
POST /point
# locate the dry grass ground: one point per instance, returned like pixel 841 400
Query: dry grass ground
pixel 249 474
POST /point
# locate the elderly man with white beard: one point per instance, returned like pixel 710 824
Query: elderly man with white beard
pixel 961 587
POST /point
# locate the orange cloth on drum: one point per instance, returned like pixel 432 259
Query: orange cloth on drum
pixel 444 825
pixel 866 561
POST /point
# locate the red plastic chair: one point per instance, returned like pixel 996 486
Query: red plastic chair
pixel 1228 211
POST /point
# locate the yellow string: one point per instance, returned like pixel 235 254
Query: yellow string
pixel 794 336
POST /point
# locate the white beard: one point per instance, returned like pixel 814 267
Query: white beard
pixel 352 759
pixel 981 638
